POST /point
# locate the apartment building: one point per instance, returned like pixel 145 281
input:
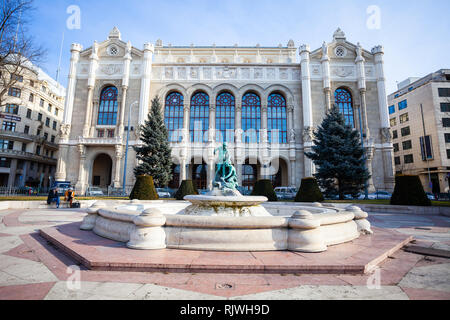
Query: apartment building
pixel 30 117
pixel 420 123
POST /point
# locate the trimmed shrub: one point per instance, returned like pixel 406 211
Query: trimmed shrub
pixel 187 188
pixel 409 192
pixel 264 188
pixel 309 191
pixel 144 189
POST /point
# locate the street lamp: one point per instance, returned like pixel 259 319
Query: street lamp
pixel 126 149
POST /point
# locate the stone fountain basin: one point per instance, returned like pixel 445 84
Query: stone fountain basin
pixel 310 231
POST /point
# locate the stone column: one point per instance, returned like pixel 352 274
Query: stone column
pixel 361 75
pixel 119 155
pixel 68 110
pixel 292 153
pixel 307 108
pixel 80 186
pixel 145 83
pixel 125 83
pixel 183 173
pixel 91 84
pixel 12 173
pixel 212 123
pixel 326 76
pixel 387 148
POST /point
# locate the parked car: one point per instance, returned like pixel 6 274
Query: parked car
pixel 431 196
pixel 286 193
pixel 61 187
pixel 94 192
pixel 163 193
pixel 380 195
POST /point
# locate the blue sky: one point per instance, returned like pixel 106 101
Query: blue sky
pixel 415 34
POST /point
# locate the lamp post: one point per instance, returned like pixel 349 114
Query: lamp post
pixel 126 148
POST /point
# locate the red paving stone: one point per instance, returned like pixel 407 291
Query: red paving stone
pixel 97 253
pixel 425 294
pixel 23 252
pixel 12 219
pixel 5 235
pixel 35 291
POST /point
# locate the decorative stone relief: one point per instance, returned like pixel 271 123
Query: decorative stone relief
pixel 136 69
pixel 207 73
pixel 385 134
pixel 271 73
pixel 226 73
pixel 343 72
pixel 369 71
pixel 65 131
pixel 296 75
pixel 308 134
pixel 194 73
pixel 182 73
pixel 284 74
pixel 84 69
pixel 169 73
pixel 258 73
pixel 111 69
pixel 245 72
pixel 315 70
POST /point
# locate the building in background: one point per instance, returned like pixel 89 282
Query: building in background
pixel 265 102
pixel 30 119
pixel 420 123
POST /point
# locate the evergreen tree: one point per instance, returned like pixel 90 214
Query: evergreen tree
pixel 155 154
pixel 339 157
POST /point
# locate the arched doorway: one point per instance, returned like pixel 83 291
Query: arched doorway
pixel 250 172
pixel 279 174
pixel 101 171
pixel 175 182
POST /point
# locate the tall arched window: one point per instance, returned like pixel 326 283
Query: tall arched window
pixel 174 115
pixel 344 102
pixel 199 120
pixel 251 117
pixel 107 111
pixel 225 117
pixel 277 118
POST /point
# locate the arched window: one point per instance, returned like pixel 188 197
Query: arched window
pixel 277 118
pixel 249 175
pixel 199 120
pixel 174 115
pixel 199 175
pixel 107 111
pixel 251 117
pixel 225 117
pixel 344 102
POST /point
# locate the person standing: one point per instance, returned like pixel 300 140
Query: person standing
pixel 69 196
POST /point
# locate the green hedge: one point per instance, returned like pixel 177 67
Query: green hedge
pixel 409 192
pixel 309 191
pixel 264 188
pixel 144 189
pixel 187 188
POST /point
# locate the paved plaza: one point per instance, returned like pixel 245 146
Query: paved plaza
pixel 33 268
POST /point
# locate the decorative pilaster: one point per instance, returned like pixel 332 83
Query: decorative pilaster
pixel 326 76
pixel 307 107
pixel 70 95
pixel 81 172
pixel 212 124
pixel 125 84
pixel 119 156
pixel 145 82
pixel 361 75
pixel 385 135
pixel 91 84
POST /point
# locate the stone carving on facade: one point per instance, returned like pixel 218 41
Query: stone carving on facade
pixel 111 69
pixel 258 73
pixel 315 70
pixel 118 151
pixel 169 73
pixel 342 72
pixel 271 73
pixel 226 73
pixel 136 69
pixel 308 134
pixel 385 134
pixel 207 73
pixel 82 151
pixel 296 74
pixel 182 73
pixel 283 74
pixel 65 131
pixel 194 73
pixel 292 136
pixel 245 73
pixel 84 69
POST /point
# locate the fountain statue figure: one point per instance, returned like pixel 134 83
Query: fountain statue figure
pixel 226 176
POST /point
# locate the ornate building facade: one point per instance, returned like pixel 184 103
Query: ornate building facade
pixel 265 102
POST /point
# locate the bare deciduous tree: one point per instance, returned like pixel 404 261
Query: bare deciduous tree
pixel 18 50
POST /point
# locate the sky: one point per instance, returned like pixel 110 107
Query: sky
pixel 415 34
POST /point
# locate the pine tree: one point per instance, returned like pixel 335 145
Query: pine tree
pixel 339 157
pixel 155 154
